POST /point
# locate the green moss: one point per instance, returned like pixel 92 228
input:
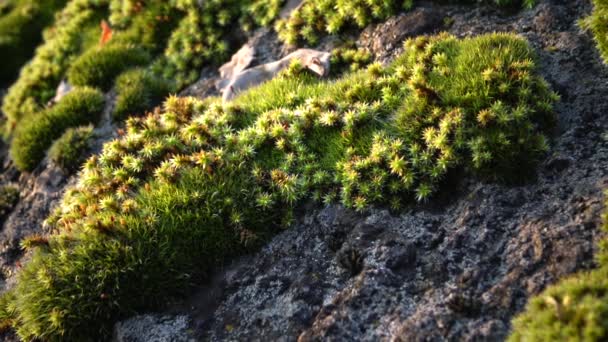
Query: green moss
pixel 574 309
pixel 349 58
pixel 137 91
pixel 33 137
pixel 72 148
pixel 597 23
pixel 21 25
pixel 315 19
pixel 202 181
pixel 99 66
pixel 74 30
pixel 180 37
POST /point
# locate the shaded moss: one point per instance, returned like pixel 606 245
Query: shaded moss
pixel 315 19
pixel 9 195
pixel 21 25
pixel 99 67
pixel 137 91
pixel 72 148
pixel 74 31
pixel 33 137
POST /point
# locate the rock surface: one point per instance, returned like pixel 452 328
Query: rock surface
pixel 459 267
pixel 148 328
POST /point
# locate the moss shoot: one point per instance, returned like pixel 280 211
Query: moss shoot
pixel 32 139
pixel 597 23
pixel 199 182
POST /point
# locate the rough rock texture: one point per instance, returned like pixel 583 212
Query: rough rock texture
pixel 149 328
pixel 383 39
pixel 459 267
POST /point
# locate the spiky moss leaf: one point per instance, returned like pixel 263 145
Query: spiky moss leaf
pixel 487 84
pixel 597 23
pixel 99 66
pixel 21 31
pixel 72 148
pixel 75 29
pixel 34 136
pixel 138 90
pixel 201 180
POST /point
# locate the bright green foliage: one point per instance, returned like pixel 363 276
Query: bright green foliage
pixel 317 18
pixel 597 23
pixel 73 148
pixel 9 195
pixel 203 181
pixel 575 309
pixel 33 137
pixel 137 91
pixel 21 25
pixel 99 66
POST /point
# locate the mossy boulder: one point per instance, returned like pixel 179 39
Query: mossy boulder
pixel 200 182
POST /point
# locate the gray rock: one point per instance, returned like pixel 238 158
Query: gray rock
pixel 154 328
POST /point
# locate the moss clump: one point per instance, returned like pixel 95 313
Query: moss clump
pixel 9 195
pixel 74 30
pixel 349 58
pixel 317 18
pixel 202 181
pixel 137 91
pixel 597 23
pixel 72 148
pixel 99 67
pixel 574 309
pixel 21 25
pixel 32 138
